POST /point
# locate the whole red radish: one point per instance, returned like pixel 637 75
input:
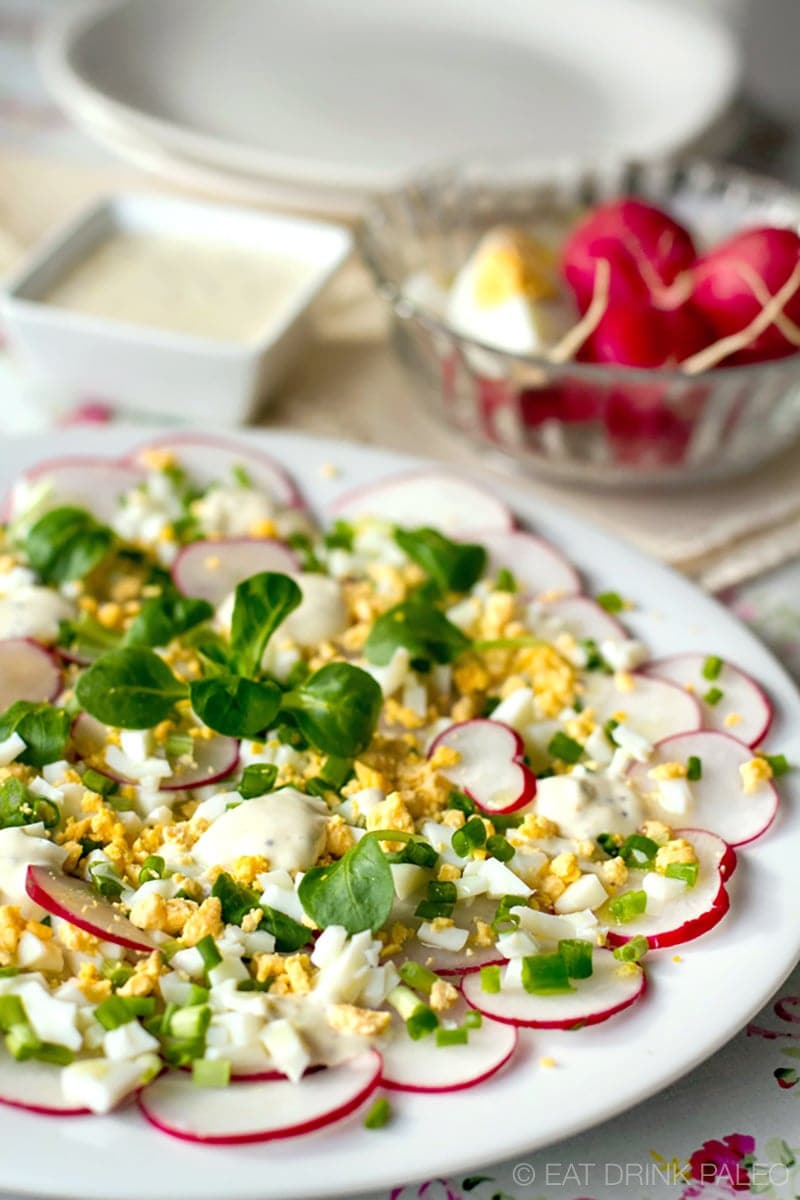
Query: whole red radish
pixel 646 249
pixel 642 336
pixel 736 279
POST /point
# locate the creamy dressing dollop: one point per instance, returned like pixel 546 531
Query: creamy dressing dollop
pixel 286 827
pixel 584 806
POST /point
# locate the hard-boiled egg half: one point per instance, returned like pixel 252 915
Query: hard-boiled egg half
pixel 507 294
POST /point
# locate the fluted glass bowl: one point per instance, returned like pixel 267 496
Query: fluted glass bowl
pixel 581 423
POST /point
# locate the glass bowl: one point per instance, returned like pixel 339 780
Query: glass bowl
pixel 581 423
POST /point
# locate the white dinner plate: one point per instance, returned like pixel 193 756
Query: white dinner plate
pixel 356 95
pixel 691 1007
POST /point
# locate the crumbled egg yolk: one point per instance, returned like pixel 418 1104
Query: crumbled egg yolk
pixel 515 265
pixel 677 850
pixel 754 773
pixel 668 770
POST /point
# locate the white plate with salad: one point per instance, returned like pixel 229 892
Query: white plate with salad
pixel 357 821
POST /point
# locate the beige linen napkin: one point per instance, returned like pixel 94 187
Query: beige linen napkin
pixel 350 385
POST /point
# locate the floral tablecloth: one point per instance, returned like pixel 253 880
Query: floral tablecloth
pixel 733 1125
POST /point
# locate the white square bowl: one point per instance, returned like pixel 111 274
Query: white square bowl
pixel 153 370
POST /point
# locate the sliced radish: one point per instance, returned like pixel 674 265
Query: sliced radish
pixel 720 803
pixel 581 617
pixel 536 565
pixel 74 901
pixel 695 910
pixel 35 1087
pixel 653 707
pixel 490 768
pixel 95 484
pixel 612 987
pixel 215 758
pixel 259 1112
pixel 27 672
pixel 449 962
pixel 422 1066
pixel 741 696
pixel 212 570
pixel 427 498
pixel 211 459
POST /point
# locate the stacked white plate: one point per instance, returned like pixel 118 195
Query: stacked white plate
pixel 318 104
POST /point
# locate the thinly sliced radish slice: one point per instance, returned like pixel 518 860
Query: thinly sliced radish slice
pixel 449 962
pixel 741 698
pixel 612 987
pixel 73 900
pixel 581 617
pixel 215 758
pixel 653 707
pixel 211 570
pixel 418 498
pixel 695 910
pixel 259 1112
pixel 490 768
pixel 719 801
pixel 95 484
pixel 213 460
pixel 422 1066
pixel 27 672
pixel 536 565
pixel 35 1087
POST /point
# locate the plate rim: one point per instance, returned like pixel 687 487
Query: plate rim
pixel 116 440
pixel 60 33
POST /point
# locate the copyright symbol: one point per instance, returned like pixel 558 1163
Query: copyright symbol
pixel 523 1174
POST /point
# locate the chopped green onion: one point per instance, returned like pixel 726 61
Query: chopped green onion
pixel 207 949
pixel 49 1052
pixel 577 956
pixel 594 659
pixel 505 581
pixel 632 951
pixel 417 976
pixel 153 867
pixel 712 667
pixel 190 1022
pixel 638 851
pixel 117 973
pixel 628 906
pixel 241 476
pixel 545 974
pixel 564 747
pixel 612 602
pixel 430 910
pixel 21 1041
pixel 442 890
pixel 183 1053
pixel 95 782
pixel 106 880
pixel 420 1019
pixel 113 1012
pixel 12 1012
pixel 462 802
pixel 779 763
pixel 472 1019
pixel 9 972
pixel 380 1114
pixel 469 837
pixel 490 979
pixel 489 705
pixel 609 843
pixel 417 852
pixel 452 1037
pixel 504 919
pixel 500 848
pixel 211 1072
pixel 179 744
pixel 685 871
pixel 257 780
pixel 694 768
pixel 713 696
pixel 197 994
